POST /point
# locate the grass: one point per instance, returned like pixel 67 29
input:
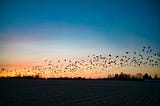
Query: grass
pixel 78 92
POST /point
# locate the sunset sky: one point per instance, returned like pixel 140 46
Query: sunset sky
pixel 33 30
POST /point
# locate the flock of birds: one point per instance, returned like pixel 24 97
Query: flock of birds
pixel 96 63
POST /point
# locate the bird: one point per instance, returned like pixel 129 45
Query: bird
pixel 127 52
pixel 45 60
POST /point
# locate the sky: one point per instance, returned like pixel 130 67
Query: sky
pixel 32 30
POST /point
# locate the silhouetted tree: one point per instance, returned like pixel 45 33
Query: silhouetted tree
pixel 156 76
pixel 116 76
pixel 146 76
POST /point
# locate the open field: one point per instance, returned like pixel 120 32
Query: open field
pixel 78 92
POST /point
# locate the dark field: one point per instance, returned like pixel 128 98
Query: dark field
pixel 78 92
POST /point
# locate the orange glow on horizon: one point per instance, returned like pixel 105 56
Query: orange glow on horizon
pixel 45 71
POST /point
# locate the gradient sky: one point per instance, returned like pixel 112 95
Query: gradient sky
pixel 32 30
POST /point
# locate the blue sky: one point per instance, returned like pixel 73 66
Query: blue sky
pixel 50 28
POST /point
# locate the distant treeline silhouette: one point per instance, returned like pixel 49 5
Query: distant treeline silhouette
pixel 121 76
pixel 138 76
pixel 22 77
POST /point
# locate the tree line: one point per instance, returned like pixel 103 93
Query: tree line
pixel 121 76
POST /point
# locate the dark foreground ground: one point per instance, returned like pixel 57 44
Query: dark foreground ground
pixel 78 93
